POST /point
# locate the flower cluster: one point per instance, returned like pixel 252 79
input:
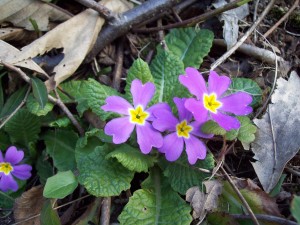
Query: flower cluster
pixel 210 103
pixel 9 169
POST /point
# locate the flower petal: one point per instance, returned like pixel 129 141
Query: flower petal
pixel 218 84
pixel 120 129
pixel 194 82
pixel 13 156
pixel 237 103
pixel 7 182
pixel 183 113
pixel 197 109
pixel 225 121
pixel 148 137
pixel 158 106
pixel 197 130
pixel 195 149
pixel 22 171
pixel 172 147
pixel 117 104
pixel 141 93
pixel 164 120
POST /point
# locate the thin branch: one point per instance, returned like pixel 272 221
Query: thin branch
pixel 117 74
pixel 286 15
pixel 244 37
pixel 105 211
pixel 17 109
pixel 101 9
pixel 269 218
pixel 245 203
pixel 198 19
pixel 133 17
pixel 16 69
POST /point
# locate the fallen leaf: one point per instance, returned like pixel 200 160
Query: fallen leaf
pixel 203 203
pixel 19 13
pixel 29 204
pixel 76 36
pixel 278 138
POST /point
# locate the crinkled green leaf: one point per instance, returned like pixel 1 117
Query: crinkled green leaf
pixel 190 45
pixel 6 201
pixel 60 185
pixel 132 158
pixel 39 91
pixel 139 70
pixel 165 68
pixel 34 107
pixel 155 204
pixel 13 101
pixel 44 168
pixel 49 216
pixel 61 122
pixel 249 86
pixel 23 127
pixel 183 176
pixel 245 133
pixel 295 208
pixel 211 127
pixel 60 145
pixel 221 218
pixel 100 176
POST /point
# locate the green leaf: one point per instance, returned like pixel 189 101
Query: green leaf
pixel 1 91
pixel 49 216
pixel 139 70
pixel 44 168
pixel 6 201
pixel 4 140
pixel 166 67
pixel 34 106
pixel 245 133
pixel 60 145
pixel 221 218
pixel 100 176
pixel 13 101
pixel 155 204
pixel 277 188
pixel 23 127
pixel 60 185
pixel 190 45
pixel 211 127
pixel 183 176
pixel 132 158
pixel 61 122
pixel 249 86
pixel 295 208
pixel 39 91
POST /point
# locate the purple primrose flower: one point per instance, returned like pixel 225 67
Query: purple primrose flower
pixel 137 116
pixel 9 169
pixel 212 102
pixel 182 131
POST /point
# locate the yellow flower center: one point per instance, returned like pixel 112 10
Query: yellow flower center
pixel 183 130
pixel 211 103
pixel 138 115
pixel 6 168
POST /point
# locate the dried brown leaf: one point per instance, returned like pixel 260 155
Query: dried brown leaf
pixel 29 205
pixel 18 12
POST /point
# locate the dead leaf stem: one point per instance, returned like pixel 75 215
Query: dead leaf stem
pixel 244 37
pixel 245 203
pixel 117 74
pixel 268 218
pixel 101 9
pixel 105 211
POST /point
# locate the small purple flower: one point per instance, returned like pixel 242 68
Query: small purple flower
pixel 211 102
pixel 182 131
pixel 137 116
pixel 9 169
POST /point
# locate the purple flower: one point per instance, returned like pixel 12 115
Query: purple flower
pixel 9 169
pixel 182 132
pixel 211 102
pixel 137 116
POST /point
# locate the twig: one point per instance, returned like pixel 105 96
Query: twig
pixel 105 211
pixel 16 69
pixel 286 15
pixel 254 18
pixel 292 171
pixel 120 26
pixel 101 9
pixel 197 19
pixel 244 37
pixel 245 203
pixel 269 218
pixel 17 109
pixel 117 74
